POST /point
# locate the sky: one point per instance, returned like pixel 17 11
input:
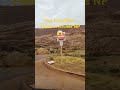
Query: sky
pixel 54 9
pixel 59 9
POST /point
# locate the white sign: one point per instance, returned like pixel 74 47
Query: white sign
pixel 60 38
pixel 61 43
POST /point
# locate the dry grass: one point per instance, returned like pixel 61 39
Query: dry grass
pixel 39 51
pixel 74 64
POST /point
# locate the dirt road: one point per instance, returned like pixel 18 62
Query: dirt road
pixel 38 57
pixel 47 79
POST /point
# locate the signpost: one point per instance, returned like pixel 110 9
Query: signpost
pixel 61 37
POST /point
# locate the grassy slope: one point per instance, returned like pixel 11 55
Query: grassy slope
pixel 70 61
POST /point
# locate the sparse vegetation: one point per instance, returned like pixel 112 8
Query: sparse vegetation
pixel 70 62
pixel 75 40
pixel 39 51
pixel 73 58
pixel 77 53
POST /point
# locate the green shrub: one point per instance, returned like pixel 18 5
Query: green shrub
pixel 39 51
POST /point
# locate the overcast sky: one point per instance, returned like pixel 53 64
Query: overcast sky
pixel 71 9
pixel 59 9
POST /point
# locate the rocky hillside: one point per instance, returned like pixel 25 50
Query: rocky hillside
pixel 102 29
pixel 46 38
pixel 17 44
pixel 16 14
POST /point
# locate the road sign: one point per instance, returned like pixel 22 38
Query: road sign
pixel 61 37
pixel 61 43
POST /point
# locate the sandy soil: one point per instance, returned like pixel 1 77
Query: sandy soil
pixel 48 79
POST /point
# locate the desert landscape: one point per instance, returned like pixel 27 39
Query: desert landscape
pixel 73 60
pixel 102 47
pixel 74 45
pixel 16 47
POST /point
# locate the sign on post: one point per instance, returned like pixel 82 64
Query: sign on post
pixel 61 37
pixel 61 43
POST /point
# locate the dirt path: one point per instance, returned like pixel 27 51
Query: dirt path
pixel 38 57
pixel 48 79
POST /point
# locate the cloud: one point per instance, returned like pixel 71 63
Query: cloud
pixel 71 9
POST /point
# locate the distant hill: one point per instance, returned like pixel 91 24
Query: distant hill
pixel 46 31
pixel 19 36
pixel 15 14
pixel 46 38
